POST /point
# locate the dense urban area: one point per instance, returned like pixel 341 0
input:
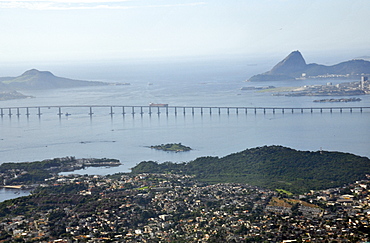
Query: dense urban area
pixel 177 208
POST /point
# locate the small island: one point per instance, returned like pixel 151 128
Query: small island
pixel 11 95
pixel 338 100
pixel 171 147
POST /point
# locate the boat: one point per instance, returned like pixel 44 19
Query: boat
pixel 158 105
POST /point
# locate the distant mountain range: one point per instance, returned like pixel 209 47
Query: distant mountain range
pixel 294 67
pixel 35 79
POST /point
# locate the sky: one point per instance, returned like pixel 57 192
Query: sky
pixel 60 30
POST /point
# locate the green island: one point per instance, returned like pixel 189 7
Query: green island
pixel 26 174
pixel 171 147
pixel 273 167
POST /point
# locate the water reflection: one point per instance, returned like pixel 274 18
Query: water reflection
pixel 6 193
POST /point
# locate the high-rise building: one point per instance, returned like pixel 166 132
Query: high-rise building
pixel 363 80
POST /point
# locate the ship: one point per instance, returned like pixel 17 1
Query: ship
pixel 158 105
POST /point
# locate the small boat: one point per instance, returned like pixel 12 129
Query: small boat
pixel 158 105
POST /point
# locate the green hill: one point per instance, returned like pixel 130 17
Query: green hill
pixel 273 167
pixel 35 79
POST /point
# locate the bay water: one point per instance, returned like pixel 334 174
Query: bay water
pixel 128 137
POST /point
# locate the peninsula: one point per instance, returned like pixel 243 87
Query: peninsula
pixel 30 173
pixel 294 67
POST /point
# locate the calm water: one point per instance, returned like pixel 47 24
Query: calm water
pixel 190 84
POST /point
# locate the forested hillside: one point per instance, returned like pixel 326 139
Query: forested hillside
pixel 274 167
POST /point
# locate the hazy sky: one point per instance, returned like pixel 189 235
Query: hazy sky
pixel 52 30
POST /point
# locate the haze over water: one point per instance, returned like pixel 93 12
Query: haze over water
pixel 183 84
pixel 190 83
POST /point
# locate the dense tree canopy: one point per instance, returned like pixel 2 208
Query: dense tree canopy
pixel 272 167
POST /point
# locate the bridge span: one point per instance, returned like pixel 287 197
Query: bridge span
pixel 61 110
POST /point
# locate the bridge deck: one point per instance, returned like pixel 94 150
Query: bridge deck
pixel 137 109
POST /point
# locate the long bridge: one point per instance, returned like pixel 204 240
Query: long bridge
pixel 148 109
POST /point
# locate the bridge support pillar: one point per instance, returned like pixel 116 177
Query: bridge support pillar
pixel 158 112
pixel 237 110
pixel 282 110
pixel 90 111
pixel 60 111
pixel 18 114
pixel 273 111
pixel 192 110
pixel 111 111
pixel 1 112
pixel 175 110
pixel 264 111
pixel 255 110
pixel 219 110
pixel 39 111
pixel 10 112
pixel 27 113
pixel 133 110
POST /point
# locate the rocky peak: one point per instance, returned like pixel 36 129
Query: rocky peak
pixel 294 62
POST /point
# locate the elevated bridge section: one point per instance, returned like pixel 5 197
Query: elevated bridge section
pixel 89 110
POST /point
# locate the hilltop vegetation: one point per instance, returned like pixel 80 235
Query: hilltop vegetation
pixel 273 167
pixel 171 147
